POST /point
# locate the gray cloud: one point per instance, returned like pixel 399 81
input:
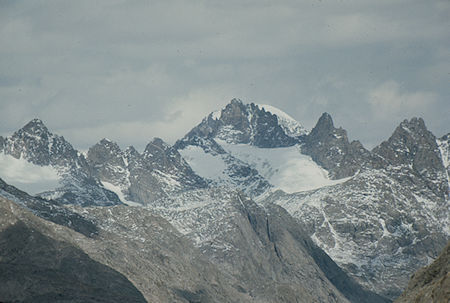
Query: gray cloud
pixel 131 70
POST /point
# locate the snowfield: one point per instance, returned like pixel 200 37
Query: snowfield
pixel 285 167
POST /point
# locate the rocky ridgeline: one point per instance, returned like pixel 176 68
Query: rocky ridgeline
pixel 36 144
pixel 156 173
pixel 241 123
pixel 329 147
pixel 380 215
pixel 414 147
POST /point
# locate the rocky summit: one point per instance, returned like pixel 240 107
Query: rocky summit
pixel 330 148
pixel 249 206
pixel 247 124
pixel 35 144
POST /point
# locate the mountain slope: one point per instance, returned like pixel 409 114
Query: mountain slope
pixel 265 249
pixel 444 148
pixel 49 210
pixel 431 283
pixel 36 267
pixel 142 247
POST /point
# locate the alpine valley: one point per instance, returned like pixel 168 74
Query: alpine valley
pixel 249 206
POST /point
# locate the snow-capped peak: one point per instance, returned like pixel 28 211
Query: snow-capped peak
pixel 291 126
pixel 241 123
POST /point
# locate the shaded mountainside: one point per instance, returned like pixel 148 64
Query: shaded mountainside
pixel 338 277
pixel 444 147
pixel 49 210
pixel 134 245
pixel 37 268
pixel 431 283
pixel 271 264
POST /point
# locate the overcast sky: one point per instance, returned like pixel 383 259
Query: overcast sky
pixel 133 70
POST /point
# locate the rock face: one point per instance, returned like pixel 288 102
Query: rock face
pixel 35 144
pixel 2 143
pixel 329 147
pixel 265 249
pixel 444 147
pixel 159 172
pixel 413 145
pixel 431 283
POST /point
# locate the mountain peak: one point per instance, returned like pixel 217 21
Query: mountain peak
pixel 106 141
pixel 105 151
pixel 36 121
pixel 324 127
pixel 109 145
pixel 290 126
pixel 412 144
pixel 411 130
pixel 414 125
pixel 35 127
pixel 240 123
pixel 325 121
pixel 236 101
pixel 156 145
pixel 329 146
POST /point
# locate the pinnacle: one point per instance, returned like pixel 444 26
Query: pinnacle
pixel 326 119
pixel 236 101
pixel 35 126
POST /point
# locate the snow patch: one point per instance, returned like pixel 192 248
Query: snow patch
pixel 118 191
pixel 204 164
pixel 27 176
pixel 216 115
pixel 284 167
pixel 444 148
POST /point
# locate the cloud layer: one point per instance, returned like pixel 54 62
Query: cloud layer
pixel 132 70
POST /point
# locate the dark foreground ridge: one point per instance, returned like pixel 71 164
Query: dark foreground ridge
pixel 36 268
pixel 431 283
